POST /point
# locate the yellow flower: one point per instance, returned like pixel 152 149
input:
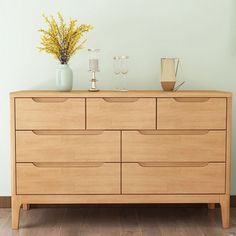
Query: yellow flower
pixel 62 40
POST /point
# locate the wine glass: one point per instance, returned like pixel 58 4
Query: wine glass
pixel 117 69
pixel 124 70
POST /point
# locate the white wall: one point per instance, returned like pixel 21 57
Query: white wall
pixel 201 32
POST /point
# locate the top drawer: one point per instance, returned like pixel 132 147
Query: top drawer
pixel 191 113
pixel 121 113
pixel 50 113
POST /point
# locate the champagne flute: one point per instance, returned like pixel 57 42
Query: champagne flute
pixel 117 69
pixel 124 70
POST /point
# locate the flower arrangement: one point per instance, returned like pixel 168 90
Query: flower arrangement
pixel 62 40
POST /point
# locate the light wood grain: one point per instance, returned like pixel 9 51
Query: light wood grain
pixel 68 114
pixel 67 132
pixel 118 198
pixel 172 114
pixel 225 199
pixel 49 100
pixel 67 164
pixel 182 180
pixel 16 205
pixel 120 100
pixel 140 114
pixel 191 99
pixel 68 146
pixel 117 94
pixel 13 145
pixel 174 132
pixel 138 146
pixel 228 144
pixel 104 179
pixel 26 207
pixel 225 210
pixel 173 164
pixel 186 160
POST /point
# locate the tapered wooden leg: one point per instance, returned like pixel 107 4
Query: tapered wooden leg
pixel 15 209
pixel 225 210
pixel 211 206
pixel 26 207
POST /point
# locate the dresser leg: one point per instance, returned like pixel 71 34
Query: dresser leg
pixel 26 207
pixel 15 209
pixel 211 206
pixel 225 210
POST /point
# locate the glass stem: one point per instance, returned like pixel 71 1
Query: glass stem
pixel 117 82
pixel 123 82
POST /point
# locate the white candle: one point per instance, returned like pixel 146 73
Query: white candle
pixel 93 65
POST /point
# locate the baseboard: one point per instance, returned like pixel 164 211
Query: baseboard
pixel 5 202
pixel 233 201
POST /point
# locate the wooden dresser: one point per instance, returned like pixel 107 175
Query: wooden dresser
pixel 120 147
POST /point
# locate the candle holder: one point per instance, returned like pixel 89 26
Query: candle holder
pixel 93 67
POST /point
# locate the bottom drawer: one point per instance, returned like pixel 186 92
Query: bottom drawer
pixel 179 178
pixel 64 178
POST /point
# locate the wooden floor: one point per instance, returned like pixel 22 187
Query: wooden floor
pixel 117 220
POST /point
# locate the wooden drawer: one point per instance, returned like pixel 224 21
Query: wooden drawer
pixel 68 146
pixel 68 178
pixel 173 146
pixel 121 113
pixel 50 113
pixel 191 113
pixel 175 178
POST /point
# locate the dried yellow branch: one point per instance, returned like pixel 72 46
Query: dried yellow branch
pixel 62 40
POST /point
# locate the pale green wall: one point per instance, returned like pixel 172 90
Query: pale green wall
pixel 201 32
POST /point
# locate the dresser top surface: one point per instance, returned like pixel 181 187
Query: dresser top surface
pixel 110 93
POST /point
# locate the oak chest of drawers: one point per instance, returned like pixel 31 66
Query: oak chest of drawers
pixel 120 147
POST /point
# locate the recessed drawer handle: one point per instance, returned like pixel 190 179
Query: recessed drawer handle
pixel 67 132
pixel 173 132
pixel 173 164
pixel 66 164
pixel 120 100
pixel 49 100
pixel 191 99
